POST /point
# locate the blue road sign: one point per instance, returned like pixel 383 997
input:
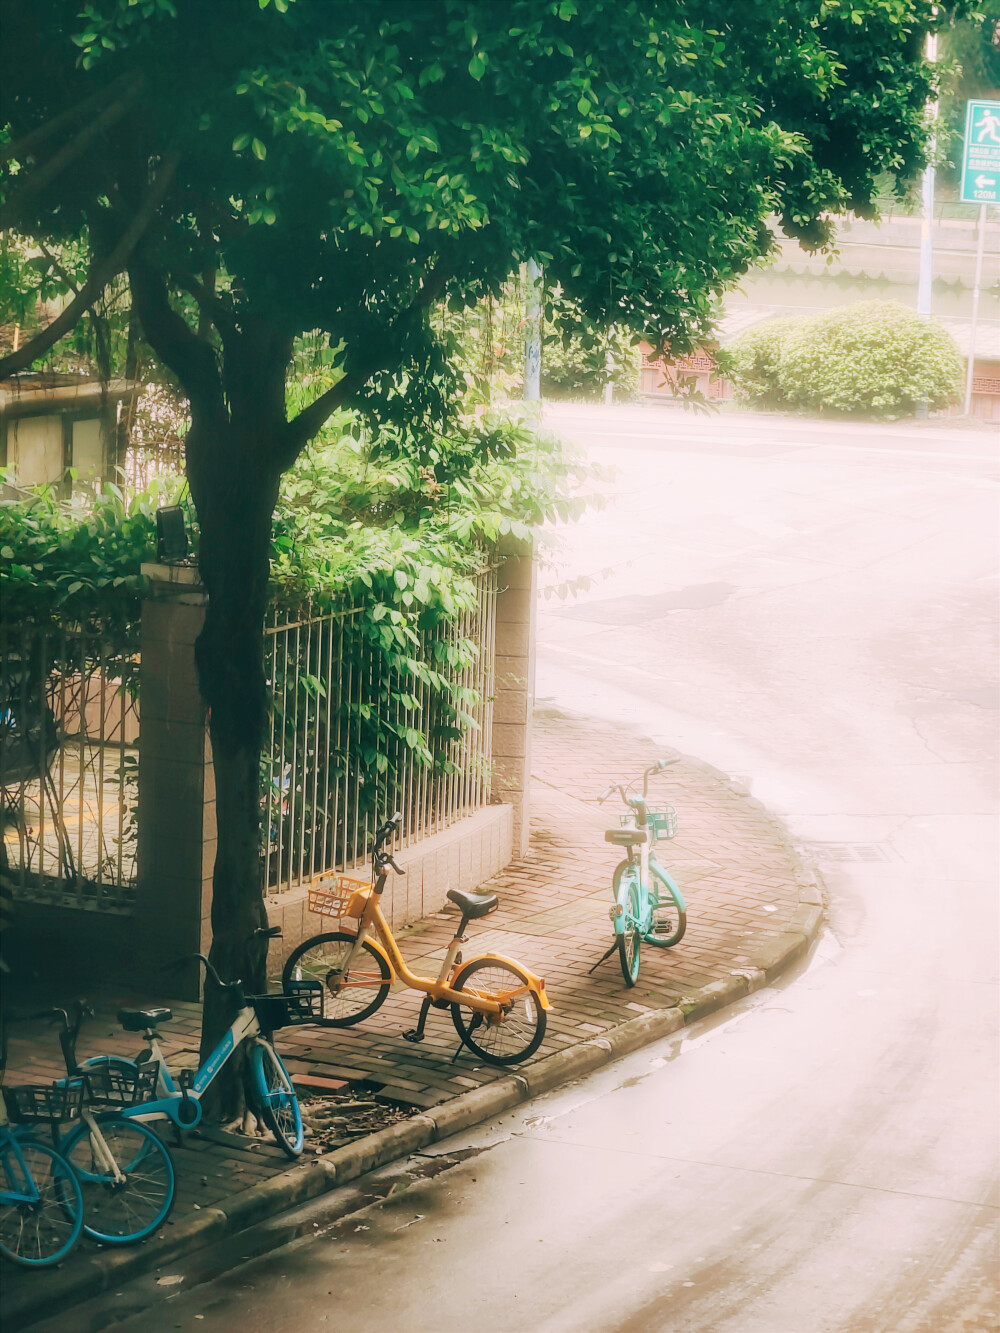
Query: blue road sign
pixel 981 155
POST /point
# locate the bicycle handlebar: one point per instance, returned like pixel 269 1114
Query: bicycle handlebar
pixel 622 790
pixel 265 932
pixel 68 1032
pixel 81 1010
pixel 387 830
pixel 190 958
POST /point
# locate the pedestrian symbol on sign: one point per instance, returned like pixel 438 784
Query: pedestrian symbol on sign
pixel 981 156
pixel 989 126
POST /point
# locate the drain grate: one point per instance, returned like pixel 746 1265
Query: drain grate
pixel 849 851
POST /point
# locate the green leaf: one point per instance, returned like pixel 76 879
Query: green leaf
pixel 259 149
pixel 240 142
pixel 477 65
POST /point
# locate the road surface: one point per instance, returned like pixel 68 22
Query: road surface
pixel 811 607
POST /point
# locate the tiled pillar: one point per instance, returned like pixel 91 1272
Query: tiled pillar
pixel 176 850
pixel 515 686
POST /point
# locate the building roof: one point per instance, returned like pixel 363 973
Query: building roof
pixel 36 392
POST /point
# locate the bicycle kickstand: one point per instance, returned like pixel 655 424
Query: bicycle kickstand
pixel 417 1033
pixel 600 960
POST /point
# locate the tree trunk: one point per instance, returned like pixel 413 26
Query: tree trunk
pixel 235 493
pixel 236 450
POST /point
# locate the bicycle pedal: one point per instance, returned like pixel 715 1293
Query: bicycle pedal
pixel 413 1035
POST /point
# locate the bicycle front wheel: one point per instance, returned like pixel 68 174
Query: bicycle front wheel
pixel 669 920
pixel 35 1231
pixel 121 1212
pixel 631 934
pixel 275 1098
pixel 500 1039
pixel 348 996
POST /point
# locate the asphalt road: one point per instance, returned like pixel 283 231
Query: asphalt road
pixel 812 607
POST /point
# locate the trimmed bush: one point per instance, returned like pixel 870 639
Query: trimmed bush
pixel 875 359
pixel 752 361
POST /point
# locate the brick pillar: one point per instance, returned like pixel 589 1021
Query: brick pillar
pixel 176 851
pixel 515 685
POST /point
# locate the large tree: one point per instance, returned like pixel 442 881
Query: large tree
pixel 264 168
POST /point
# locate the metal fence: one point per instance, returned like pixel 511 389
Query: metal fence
pixel 357 734
pixel 68 767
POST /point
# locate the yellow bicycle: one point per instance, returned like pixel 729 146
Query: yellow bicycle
pixel 498 1007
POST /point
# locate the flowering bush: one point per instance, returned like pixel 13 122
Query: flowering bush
pixel 875 359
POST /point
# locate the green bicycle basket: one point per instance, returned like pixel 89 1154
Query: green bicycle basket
pixel 662 819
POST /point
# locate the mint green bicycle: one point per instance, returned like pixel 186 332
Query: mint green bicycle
pixel 648 904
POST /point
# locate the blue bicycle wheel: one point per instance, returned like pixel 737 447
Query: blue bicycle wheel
pixel 630 936
pixel 41 1205
pixel 275 1099
pixel 127 1210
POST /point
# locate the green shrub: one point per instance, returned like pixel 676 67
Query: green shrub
pixel 753 361
pixel 575 366
pixel 875 359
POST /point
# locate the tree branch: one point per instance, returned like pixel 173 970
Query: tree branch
pixel 100 275
pixel 22 147
pixel 58 268
pixel 209 302
pixel 41 176
pixel 303 427
pixel 190 358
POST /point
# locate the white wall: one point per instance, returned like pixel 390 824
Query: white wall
pixel 88 449
pixel 35 450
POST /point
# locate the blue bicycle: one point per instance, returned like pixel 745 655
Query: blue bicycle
pixel 648 905
pixel 126 1174
pixel 41 1205
pixel 272 1095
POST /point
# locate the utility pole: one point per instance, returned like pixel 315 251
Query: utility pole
pixel 533 334
pixel 927 196
pixel 971 359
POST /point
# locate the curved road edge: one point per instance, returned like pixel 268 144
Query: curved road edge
pixel 311 1178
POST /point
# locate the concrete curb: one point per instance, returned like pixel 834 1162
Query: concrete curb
pixel 310 1179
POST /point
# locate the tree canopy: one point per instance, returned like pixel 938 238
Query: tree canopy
pixel 339 166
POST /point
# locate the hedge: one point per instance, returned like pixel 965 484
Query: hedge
pixel 875 359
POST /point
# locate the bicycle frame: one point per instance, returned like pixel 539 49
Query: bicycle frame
pixel 182 1104
pixel 105 1157
pixel 649 870
pixel 364 907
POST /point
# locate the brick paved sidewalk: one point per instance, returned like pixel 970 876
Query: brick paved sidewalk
pixel 736 868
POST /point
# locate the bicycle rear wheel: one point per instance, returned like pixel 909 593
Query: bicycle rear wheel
pixel 348 997
pixel 36 1232
pixel 275 1098
pixel 122 1212
pixel 500 1039
pixel 631 933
